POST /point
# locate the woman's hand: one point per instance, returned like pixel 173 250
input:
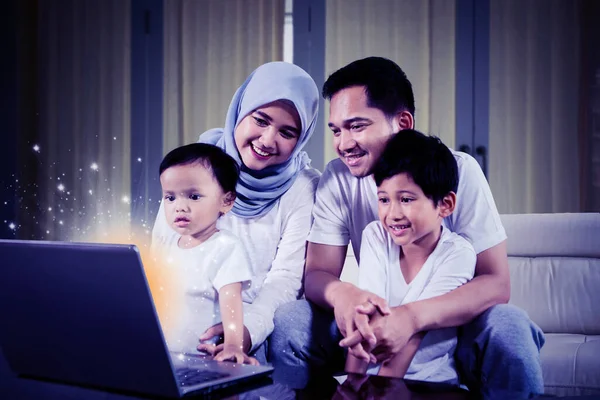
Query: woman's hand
pixel 218 332
pixel 234 353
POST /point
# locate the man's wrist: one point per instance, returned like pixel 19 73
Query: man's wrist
pixel 338 288
pixel 412 315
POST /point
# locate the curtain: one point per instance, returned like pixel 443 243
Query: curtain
pixel 534 104
pixel 83 183
pixel 210 47
pixel 418 35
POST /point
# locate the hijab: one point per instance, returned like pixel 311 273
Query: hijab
pixel 258 191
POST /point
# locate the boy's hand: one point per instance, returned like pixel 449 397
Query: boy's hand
pixel 234 353
pixel 347 302
pixel 392 333
pixel 217 331
pixel 353 309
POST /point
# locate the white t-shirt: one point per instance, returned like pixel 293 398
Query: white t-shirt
pixel 345 205
pixel 451 264
pixel 199 273
pixel 276 246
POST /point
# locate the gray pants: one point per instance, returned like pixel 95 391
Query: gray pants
pixel 497 350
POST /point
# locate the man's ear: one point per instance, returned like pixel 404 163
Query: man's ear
pixel 404 120
pixel 447 204
pixel 228 200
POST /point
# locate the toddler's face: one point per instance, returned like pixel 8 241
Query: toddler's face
pixel 193 200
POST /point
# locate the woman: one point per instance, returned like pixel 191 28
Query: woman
pixel 270 119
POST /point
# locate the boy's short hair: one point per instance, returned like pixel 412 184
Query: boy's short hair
pixel 386 85
pixel 224 168
pixel 427 160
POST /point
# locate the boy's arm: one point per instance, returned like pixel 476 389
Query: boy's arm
pixel 355 365
pixel 397 366
pixel 230 304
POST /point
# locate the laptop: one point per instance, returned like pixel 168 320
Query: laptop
pixel 82 313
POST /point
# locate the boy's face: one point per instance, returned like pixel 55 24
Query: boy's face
pixel 407 214
pixel 360 132
pixel 193 200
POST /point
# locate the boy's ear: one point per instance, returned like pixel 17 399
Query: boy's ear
pixel 447 204
pixel 228 200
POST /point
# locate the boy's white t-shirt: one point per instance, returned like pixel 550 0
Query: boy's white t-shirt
pixel 451 264
pixel 345 205
pixel 199 273
pixel 276 246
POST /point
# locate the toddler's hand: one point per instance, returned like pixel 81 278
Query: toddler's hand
pixel 235 354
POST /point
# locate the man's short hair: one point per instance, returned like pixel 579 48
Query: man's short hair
pixel 223 167
pixel 386 85
pixel 428 161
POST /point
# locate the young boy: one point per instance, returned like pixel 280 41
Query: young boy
pixel 198 184
pixel 408 255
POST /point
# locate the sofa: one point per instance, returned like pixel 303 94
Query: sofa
pixel 554 262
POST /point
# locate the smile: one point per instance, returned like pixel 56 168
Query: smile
pixel 353 159
pixel 261 153
pixel 399 229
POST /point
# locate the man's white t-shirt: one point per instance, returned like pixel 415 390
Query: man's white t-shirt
pixel 451 264
pixel 199 273
pixel 345 205
pixel 276 246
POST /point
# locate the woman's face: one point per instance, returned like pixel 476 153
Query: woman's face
pixel 267 136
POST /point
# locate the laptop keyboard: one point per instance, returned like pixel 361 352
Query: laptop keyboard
pixel 190 376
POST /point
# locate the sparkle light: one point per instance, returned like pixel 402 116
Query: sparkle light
pixel 61 187
pixel 36 148
pixel 125 200
pixel 12 226
pixel 139 159
pixel 94 166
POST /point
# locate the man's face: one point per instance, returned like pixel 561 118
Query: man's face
pixel 360 132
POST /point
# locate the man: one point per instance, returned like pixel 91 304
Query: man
pixel 370 100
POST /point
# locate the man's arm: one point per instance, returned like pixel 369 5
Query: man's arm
pixel 490 286
pixel 323 287
pixel 324 264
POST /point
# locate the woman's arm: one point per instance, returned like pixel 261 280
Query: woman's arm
pixel 284 279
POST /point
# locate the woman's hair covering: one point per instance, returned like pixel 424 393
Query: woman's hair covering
pixel 258 191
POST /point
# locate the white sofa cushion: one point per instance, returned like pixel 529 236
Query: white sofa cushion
pixel 567 234
pixel 570 364
pixel 560 294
